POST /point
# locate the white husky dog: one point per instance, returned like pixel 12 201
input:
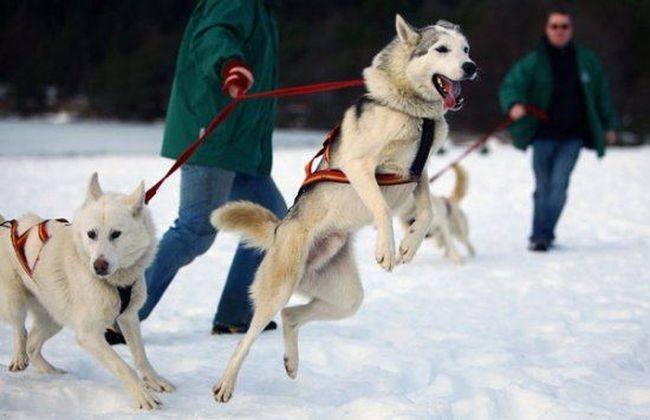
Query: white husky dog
pixel 416 77
pixel 449 220
pixel 86 275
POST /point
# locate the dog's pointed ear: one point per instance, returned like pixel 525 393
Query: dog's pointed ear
pixel 94 190
pixel 136 200
pixel 406 33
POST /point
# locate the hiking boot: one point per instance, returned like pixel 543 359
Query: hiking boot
pixel 114 336
pixel 538 246
pixel 219 329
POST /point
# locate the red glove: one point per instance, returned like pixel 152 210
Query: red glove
pixel 237 78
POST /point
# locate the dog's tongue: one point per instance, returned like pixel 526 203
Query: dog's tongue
pixel 449 101
pixel 453 90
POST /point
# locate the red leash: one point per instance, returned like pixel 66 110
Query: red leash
pixel 530 110
pixel 221 116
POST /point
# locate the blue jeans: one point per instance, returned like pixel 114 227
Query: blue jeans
pixel 553 162
pixel 202 190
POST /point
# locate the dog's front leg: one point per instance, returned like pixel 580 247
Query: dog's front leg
pixel 423 216
pixel 361 174
pixel 130 326
pixel 92 339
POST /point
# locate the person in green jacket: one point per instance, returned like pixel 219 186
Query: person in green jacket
pixel 229 47
pixel 566 81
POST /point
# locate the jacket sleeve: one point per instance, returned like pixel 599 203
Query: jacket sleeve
pixel 219 34
pixel 606 110
pixel 516 85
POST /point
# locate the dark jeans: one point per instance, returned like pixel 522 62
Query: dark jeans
pixel 203 189
pixel 553 162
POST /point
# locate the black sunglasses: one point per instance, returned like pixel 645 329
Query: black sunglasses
pixel 557 26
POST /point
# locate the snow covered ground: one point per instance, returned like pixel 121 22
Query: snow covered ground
pixel 509 335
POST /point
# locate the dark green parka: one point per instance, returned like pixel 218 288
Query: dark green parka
pixel 217 31
pixel 530 82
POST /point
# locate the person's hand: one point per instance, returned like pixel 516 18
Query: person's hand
pixel 517 111
pixel 610 137
pixel 237 78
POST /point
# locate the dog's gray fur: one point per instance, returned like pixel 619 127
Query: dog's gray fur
pixel 311 249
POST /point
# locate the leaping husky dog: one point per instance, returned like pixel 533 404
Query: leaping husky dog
pixel 417 76
pixel 85 275
pixel 449 220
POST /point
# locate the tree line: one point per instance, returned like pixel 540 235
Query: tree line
pixel 115 59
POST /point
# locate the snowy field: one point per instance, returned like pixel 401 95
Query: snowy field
pixel 509 335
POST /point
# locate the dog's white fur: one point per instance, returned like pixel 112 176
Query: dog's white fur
pixel 311 249
pixel 65 289
pixel 448 222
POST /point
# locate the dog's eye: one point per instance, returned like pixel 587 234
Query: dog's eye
pixel 466 50
pixel 115 234
pixel 442 49
pixel 92 234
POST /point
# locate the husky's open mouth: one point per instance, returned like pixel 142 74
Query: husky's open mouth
pixel 449 90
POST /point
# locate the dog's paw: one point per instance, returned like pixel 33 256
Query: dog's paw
pixel 157 383
pixel 457 259
pixel 385 253
pixel 19 363
pixel 407 249
pixel 291 366
pixel 146 400
pixel 51 370
pixel 223 390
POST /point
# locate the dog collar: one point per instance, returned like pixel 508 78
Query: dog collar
pixel 125 297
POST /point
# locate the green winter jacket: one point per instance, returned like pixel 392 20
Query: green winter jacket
pixel 530 82
pixel 217 31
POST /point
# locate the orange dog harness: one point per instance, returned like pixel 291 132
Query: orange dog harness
pixel 18 241
pixel 336 175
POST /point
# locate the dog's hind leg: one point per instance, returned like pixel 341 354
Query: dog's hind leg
pixel 336 293
pixel 43 328
pixel 275 281
pixel 470 248
pixel 448 244
pixel 463 229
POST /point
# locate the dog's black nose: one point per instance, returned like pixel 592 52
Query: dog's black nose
pixel 469 68
pixel 101 266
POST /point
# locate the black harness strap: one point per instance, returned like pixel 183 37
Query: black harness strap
pixel 125 297
pixel 426 141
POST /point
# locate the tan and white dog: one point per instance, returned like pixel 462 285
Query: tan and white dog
pixel 448 221
pixel 417 76
pixel 87 275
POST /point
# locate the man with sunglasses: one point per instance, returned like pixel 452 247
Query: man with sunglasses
pixel 566 80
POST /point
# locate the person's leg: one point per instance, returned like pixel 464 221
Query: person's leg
pixel 234 307
pixel 564 161
pixel 202 190
pixel 542 158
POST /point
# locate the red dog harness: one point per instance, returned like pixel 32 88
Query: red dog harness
pixel 18 241
pixel 336 175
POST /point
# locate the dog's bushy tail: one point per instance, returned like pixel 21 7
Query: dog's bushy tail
pixel 254 223
pixel 460 189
